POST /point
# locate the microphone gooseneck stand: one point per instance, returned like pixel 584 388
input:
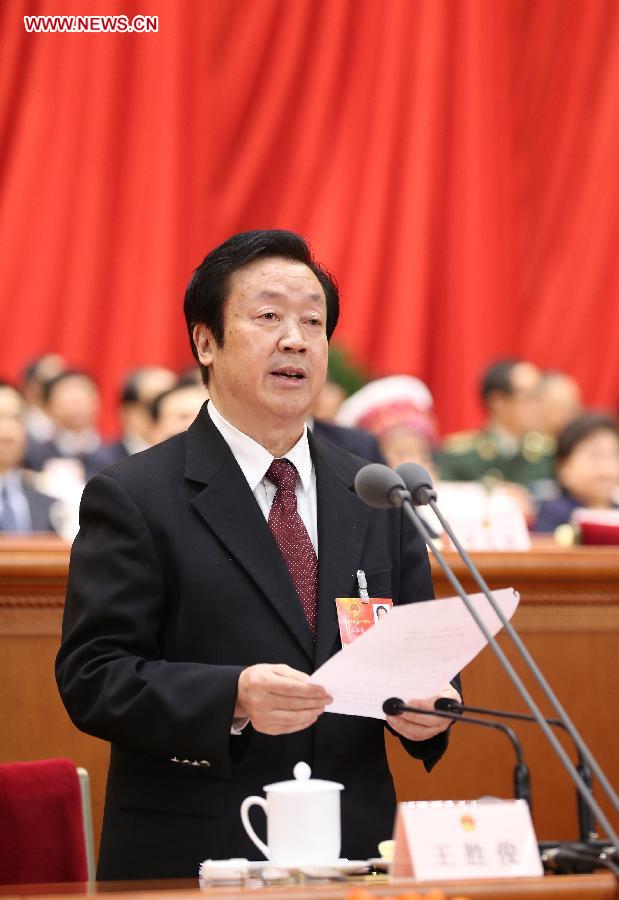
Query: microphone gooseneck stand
pixel 560 857
pixel 394 706
pixel 586 822
pixel 382 487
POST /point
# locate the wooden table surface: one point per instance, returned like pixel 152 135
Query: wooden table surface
pixel 599 886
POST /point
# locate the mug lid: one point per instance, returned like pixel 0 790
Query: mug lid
pixel 303 783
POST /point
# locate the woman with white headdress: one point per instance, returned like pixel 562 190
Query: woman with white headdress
pixel 399 411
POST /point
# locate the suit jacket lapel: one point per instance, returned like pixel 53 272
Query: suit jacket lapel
pixel 342 524
pixel 229 508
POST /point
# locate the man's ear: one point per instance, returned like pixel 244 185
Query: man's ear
pixel 203 341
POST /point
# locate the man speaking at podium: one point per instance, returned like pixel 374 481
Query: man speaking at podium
pixel 203 580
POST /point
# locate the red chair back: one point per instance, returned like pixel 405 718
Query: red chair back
pixel 41 824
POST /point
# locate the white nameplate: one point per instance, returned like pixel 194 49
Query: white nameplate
pixel 465 839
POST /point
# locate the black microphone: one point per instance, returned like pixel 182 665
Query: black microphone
pixel 586 821
pixel 394 706
pixel 418 481
pixel 378 489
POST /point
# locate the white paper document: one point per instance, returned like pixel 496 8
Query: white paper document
pixel 413 653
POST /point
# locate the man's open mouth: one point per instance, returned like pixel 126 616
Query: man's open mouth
pixel 295 374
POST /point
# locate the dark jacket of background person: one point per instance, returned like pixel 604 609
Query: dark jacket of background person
pixel 39 454
pixel 112 453
pixel 176 585
pixel 355 440
pixel 39 506
pixel 555 512
pixel 558 511
pixel 474 455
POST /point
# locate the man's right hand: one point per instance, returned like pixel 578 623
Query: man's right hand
pixel 278 699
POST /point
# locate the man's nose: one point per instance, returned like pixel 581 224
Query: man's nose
pixel 292 337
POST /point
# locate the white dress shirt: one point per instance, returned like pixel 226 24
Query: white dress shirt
pixel 254 460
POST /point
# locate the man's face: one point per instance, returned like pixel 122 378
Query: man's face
pixel 178 410
pixel 519 411
pixel 560 402
pixel 273 360
pixel 12 429
pixel 135 417
pixel 74 404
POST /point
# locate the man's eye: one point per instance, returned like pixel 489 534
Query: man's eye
pixel 269 315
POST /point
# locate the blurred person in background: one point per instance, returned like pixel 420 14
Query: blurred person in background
pixel 329 401
pixel 174 410
pixel 71 401
pixel 193 375
pixel 322 421
pixel 34 376
pixel 560 401
pixel 511 446
pixel 139 390
pixel 22 508
pixel 399 412
pixel 587 470
pixel 355 440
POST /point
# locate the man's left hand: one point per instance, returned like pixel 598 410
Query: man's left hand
pixel 419 727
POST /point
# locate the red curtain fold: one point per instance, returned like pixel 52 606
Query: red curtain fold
pixel 452 161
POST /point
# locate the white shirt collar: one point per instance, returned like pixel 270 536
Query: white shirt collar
pixel 254 459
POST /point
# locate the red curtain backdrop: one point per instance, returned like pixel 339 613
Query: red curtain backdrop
pixel 453 161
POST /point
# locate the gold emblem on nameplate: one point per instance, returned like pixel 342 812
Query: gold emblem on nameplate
pixel 468 823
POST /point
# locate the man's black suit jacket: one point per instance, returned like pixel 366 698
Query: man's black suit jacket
pixel 176 584
pixel 39 505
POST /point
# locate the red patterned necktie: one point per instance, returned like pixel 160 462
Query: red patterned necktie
pixel 292 538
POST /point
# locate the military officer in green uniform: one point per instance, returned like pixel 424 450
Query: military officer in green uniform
pixel 509 448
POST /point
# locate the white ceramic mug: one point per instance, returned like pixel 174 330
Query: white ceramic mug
pixel 303 821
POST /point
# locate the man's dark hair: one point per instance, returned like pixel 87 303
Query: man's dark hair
pixel 579 429
pixel 190 377
pixel 31 370
pixel 50 386
pixel 131 390
pixel 497 378
pixel 207 291
pixel 155 405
